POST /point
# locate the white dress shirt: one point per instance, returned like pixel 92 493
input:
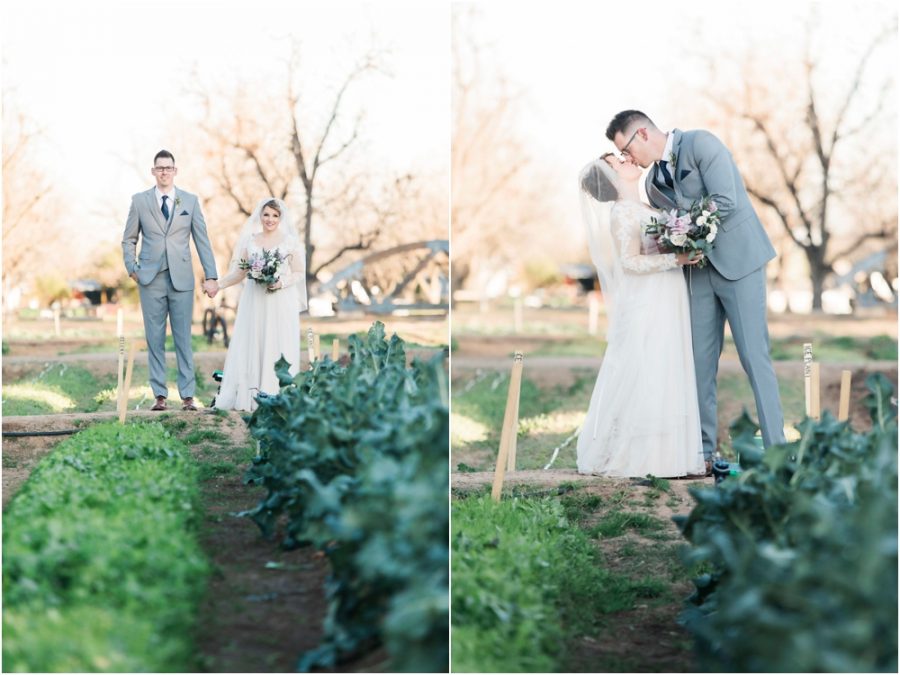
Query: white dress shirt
pixel 170 201
pixel 667 153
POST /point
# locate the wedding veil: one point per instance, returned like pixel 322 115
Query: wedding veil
pixel 288 230
pixel 599 185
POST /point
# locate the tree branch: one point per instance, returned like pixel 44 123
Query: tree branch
pixel 772 204
pixel 360 245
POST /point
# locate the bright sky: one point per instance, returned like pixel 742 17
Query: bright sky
pixel 105 80
pixel 579 63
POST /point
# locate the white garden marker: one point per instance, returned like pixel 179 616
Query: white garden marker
pixel 121 336
pixel 844 406
pixel 123 400
pixel 311 346
pixel 506 455
pixel 815 404
pixel 317 347
pixel 807 372
pixel 335 350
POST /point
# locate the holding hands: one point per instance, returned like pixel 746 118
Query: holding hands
pixel 211 287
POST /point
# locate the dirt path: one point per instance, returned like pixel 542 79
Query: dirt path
pixel 551 478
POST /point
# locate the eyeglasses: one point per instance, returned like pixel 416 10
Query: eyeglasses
pixel 624 150
pixel 164 169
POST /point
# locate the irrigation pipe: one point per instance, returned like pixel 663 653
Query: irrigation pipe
pixel 24 434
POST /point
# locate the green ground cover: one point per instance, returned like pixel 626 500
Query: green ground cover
pixel 101 566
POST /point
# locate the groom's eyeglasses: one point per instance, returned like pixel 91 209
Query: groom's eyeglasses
pixel 164 169
pixel 624 150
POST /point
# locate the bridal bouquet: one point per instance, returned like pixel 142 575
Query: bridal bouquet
pixel 686 231
pixel 264 269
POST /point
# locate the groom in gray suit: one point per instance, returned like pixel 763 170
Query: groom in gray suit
pixel 165 218
pixel 688 165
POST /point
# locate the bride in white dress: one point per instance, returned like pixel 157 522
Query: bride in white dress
pixel 267 325
pixel 643 416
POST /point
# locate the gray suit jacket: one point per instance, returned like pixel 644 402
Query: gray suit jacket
pixel 172 238
pixel 703 166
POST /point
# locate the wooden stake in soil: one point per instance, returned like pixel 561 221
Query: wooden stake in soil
pixel 807 371
pixel 317 339
pixel 844 405
pixel 815 410
pixel 123 403
pixel 510 427
pixel 335 350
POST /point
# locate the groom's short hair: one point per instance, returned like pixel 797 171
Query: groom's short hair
pixel 624 120
pixel 164 154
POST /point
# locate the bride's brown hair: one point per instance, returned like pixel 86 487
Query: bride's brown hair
pixel 271 204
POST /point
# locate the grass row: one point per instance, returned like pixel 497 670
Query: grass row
pixel 549 414
pixel 528 579
pixel 61 388
pixel 101 567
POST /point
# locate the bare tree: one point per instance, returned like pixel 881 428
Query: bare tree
pixel 804 140
pixel 301 152
pixel 496 202
pixel 30 209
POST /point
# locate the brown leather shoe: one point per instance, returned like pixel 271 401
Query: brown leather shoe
pixel 188 403
pixel 160 403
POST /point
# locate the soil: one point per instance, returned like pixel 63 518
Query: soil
pixel 263 606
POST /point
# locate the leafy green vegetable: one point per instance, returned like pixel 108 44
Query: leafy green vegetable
pixel 803 546
pixel 356 457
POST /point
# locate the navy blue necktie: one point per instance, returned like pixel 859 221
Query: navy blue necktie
pixel 165 208
pixel 667 177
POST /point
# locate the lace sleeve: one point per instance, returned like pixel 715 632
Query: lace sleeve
pixel 296 273
pixel 626 227
pixel 291 275
pixel 235 273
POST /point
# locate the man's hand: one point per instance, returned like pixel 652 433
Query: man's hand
pixel 133 275
pixel 211 287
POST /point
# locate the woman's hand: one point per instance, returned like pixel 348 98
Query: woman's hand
pixel 688 258
pixel 275 286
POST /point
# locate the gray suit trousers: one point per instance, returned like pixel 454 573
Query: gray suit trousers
pixel 743 303
pixel 159 299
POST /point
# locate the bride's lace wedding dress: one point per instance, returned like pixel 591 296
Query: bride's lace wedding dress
pixel 266 327
pixel 643 416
